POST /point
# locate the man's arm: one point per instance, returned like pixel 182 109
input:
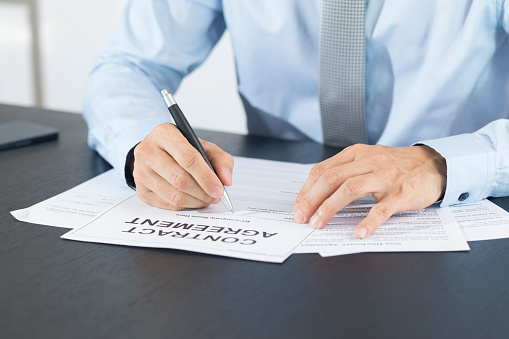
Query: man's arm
pixel 157 44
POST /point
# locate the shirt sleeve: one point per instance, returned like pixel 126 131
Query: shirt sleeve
pixel 477 163
pixel 157 44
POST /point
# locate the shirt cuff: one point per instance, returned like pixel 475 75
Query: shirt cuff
pixel 128 174
pixel 470 164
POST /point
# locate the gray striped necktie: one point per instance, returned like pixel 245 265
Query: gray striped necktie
pixel 342 72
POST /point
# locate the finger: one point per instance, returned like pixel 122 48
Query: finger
pixel 172 195
pixel 152 199
pixel 376 217
pixel 325 186
pixel 220 160
pixel 353 188
pixel 164 172
pixel 153 159
pixel 345 156
pixel 192 162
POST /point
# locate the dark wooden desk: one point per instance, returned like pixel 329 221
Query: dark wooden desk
pixel 52 288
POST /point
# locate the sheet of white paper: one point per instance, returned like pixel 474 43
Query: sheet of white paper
pixel 79 205
pixel 264 189
pixel 431 229
pixel 135 223
pixel 482 220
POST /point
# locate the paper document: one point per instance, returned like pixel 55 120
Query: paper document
pixel 137 224
pixel 104 210
pixel 482 220
pixel 430 229
pixel 79 205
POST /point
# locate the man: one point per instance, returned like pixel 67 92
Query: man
pixel 436 93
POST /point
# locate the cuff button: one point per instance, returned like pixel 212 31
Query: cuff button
pixel 463 196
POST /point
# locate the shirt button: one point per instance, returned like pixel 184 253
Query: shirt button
pixel 463 196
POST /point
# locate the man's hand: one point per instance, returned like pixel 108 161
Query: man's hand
pixel 399 178
pixel 170 173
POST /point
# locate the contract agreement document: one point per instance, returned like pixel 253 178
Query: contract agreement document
pixel 262 227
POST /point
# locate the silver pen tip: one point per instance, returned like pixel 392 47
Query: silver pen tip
pixel 164 92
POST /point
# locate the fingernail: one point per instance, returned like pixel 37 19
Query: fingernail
pixel 217 192
pixel 298 216
pixel 362 232
pixel 315 222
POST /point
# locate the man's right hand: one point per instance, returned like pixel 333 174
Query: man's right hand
pixel 170 173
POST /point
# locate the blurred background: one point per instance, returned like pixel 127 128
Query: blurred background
pixel 47 48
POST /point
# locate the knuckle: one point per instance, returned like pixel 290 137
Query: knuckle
pixel 179 180
pixel 407 188
pixel 209 146
pixel 381 157
pixel 305 202
pixel 177 200
pixel 173 207
pixel 206 144
pixel 137 174
pixel 352 148
pixel 164 129
pixel 392 171
pixel 159 132
pixel 352 186
pixel 317 170
pixel 330 177
pixel 328 208
pixel 139 179
pixel 381 212
pixel 189 159
pixel 356 148
pixel 142 195
pixel 206 199
pixel 209 180
pixel 227 158
pixel 348 151
pixel 353 151
pixel 222 158
pixel 140 151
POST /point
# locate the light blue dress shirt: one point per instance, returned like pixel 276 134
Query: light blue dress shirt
pixel 437 73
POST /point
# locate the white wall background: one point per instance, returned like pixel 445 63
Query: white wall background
pixel 72 33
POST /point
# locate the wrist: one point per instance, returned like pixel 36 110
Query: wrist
pixel 438 165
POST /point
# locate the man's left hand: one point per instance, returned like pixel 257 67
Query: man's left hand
pixel 399 178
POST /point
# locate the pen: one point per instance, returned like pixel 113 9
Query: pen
pixel 186 129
